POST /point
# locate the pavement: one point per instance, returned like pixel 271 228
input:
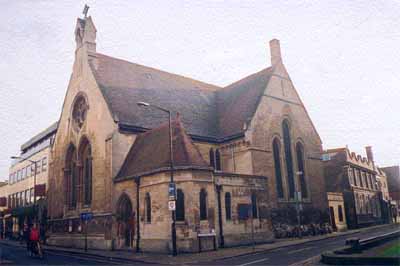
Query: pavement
pixel 303 251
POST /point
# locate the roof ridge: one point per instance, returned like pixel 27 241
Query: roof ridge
pixel 247 77
pixel 216 87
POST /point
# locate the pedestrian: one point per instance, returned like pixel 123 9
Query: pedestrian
pixel 26 235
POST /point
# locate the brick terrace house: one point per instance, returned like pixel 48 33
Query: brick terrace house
pixel 356 178
pixel 251 143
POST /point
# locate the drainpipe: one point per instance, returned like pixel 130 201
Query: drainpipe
pixel 137 181
pixel 221 229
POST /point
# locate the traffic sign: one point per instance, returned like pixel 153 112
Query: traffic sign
pixel 171 191
pixel 86 216
pixel 171 205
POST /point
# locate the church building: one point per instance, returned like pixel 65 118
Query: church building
pixel 239 152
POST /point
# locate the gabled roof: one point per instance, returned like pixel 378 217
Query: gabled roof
pixel 207 111
pixel 150 153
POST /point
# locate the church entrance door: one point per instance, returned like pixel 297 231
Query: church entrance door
pixel 126 221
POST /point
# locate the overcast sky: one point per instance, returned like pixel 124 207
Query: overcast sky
pixel 343 57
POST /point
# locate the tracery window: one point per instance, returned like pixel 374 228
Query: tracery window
pixel 278 169
pixel 79 112
pixel 288 157
pixel 71 178
pixel 86 162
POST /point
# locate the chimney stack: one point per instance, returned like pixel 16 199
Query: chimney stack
pixel 370 155
pixel 275 49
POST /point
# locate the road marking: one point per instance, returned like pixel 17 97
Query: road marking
pixel 299 250
pixel 253 262
pixel 78 257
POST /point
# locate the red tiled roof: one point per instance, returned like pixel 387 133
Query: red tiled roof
pixel 150 152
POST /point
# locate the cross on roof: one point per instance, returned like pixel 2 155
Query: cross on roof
pixel 85 10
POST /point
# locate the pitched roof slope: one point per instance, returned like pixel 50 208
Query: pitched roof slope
pixel 207 110
pixel 238 102
pixel 150 152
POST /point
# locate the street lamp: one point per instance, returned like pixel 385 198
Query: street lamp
pixel 34 175
pixel 171 161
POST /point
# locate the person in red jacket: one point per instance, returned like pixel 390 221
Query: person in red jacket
pixel 34 239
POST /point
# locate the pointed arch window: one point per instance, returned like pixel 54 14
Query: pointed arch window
pixel 217 160
pixel 301 169
pixel 203 204
pixel 86 162
pixel 228 206
pixel 148 207
pixel 212 158
pixel 288 157
pixel 71 178
pixel 278 169
pixel 180 205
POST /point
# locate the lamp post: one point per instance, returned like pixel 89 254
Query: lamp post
pixel 171 161
pixel 34 176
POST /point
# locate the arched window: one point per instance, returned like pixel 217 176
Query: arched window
pixel 254 207
pixel 278 170
pixel 288 156
pixel 217 160
pixel 212 158
pixel 300 167
pixel 340 210
pixel 203 204
pixel 148 207
pixel 71 178
pixel 180 205
pixel 228 207
pixel 86 162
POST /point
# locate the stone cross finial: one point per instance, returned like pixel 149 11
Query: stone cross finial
pixel 85 10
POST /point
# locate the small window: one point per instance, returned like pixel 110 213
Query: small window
pixel 28 171
pixel 32 195
pixel 254 207
pixel 44 164
pixel 28 196
pixel 38 164
pixel 203 204
pixel 148 207
pixel 217 160
pixel 355 177
pixel 340 213
pixel 228 206
pixel 180 205
pixel 212 158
